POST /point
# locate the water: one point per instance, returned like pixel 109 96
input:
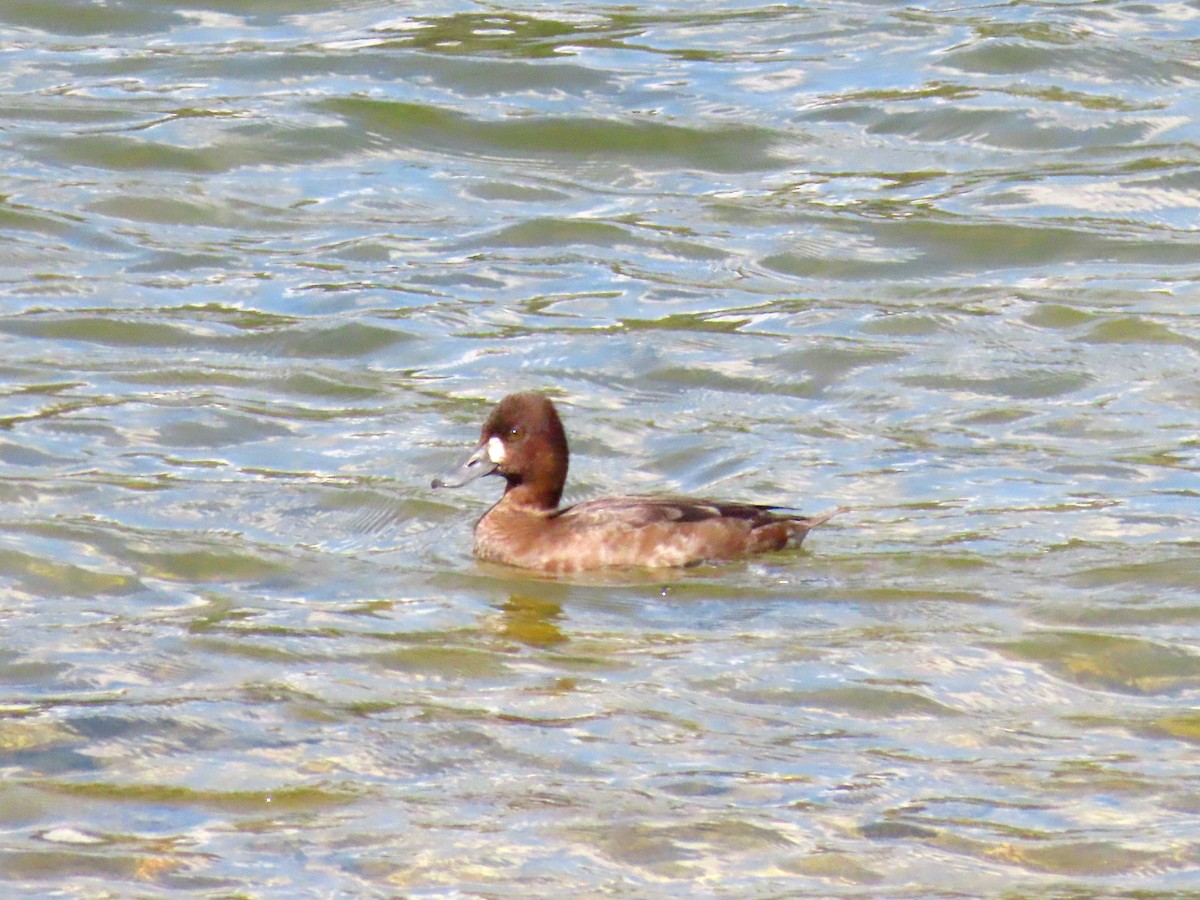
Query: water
pixel 267 265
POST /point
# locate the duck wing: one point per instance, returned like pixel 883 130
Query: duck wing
pixel 639 511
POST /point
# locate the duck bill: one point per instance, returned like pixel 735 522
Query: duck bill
pixel 478 464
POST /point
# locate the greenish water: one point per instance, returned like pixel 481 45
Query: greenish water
pixel 265 266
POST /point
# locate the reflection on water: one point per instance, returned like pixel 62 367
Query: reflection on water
pixel 531 621
pixel 267 266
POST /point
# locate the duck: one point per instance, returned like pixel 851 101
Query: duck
pixel 523 441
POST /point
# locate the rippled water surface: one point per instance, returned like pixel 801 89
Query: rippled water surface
pixel 265 266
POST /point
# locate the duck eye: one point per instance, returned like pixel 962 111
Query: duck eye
pixel 514 431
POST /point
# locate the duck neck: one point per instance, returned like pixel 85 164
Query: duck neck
pixel 542 497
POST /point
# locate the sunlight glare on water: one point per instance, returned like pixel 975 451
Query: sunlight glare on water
pixel 268 265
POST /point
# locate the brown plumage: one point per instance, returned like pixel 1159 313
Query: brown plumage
pixel 524 442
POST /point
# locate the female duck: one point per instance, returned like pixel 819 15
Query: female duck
pixel 523 441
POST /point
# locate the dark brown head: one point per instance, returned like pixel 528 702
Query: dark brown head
pixel 522 440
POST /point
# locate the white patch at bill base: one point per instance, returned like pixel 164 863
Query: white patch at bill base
pixel 495 449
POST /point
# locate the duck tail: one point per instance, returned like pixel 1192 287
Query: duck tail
pixel 802 525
